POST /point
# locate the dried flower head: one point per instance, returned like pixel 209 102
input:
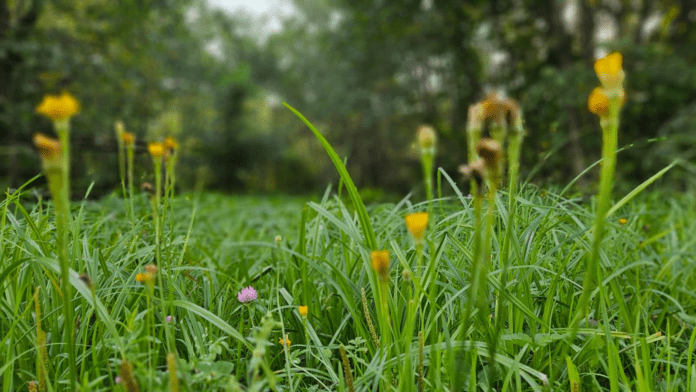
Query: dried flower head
pixel 128 138
pixel 48 147
pixel 417 223
pixel 156 149
pixel 151 269
pixel 380 263
pixel 303 310
pixel 497 107
pixel 609 71
pixel 58 107
pixel 147 187
pixel 247 295
pixel 476 117
pixel 170 143
pixel 598 103
pixel 490 151
pixel 476 171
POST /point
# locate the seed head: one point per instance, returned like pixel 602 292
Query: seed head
pixel 476 171
pixel 490 151
pixel 426 137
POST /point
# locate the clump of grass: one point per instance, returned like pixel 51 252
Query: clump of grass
pixel 464 295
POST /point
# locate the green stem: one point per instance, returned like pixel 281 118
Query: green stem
pixel 610 126
pixel 59 184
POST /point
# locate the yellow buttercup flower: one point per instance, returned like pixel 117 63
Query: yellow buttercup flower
pixel 48 147
pixel 623 221
pixel 141 277
pixel 598 103
pixel 380 263
pixel 58 107
pixel 156 149
pixel 417 224
pixel 303 311
pixel 170 143
pixel 609 71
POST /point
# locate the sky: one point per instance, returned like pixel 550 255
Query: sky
pixel 271 10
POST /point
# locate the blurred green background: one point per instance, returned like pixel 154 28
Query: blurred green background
pixel 367 73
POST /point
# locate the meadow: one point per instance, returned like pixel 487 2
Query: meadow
pixel 512 288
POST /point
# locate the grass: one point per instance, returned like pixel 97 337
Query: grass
pixel 641 318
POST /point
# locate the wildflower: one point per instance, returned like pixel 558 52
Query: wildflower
pixel 476 171
pixel 285 342
pixel 33 386
pixel 58 107
pixel 156 149
pixel 170 143
pixel 117 380
pixel 128 138
pixel 609 72
pixel 278 239
pixel 151 269
pixel 490 151
pixel 623 221
pixel 598 103
pixel 141 277
pixel 497 108
pixel 303 310
pixel 170 319
pixel 426 137
pixel 147 187
pixel 380 263
pixel 416 224
pixel 248 294
pixel 48 147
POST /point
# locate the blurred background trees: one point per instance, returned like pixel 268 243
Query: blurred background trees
pixel 367 73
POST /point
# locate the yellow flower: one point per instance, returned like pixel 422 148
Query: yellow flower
pixel 141 277
pixel 623 221
pixel 128 138
pixel 58 107
pixel 598 103
pixel 285 342
pixel 156 149
pixel 380 263
pixel 608 70
pixel 417 224
pixel 303 311
pixel 48 147
pixel 426 137
pixel 170 143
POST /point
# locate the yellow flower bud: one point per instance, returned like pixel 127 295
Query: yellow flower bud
pixel 598 103
pixel 417 224
pixel 380 263
pixel 608 70
pixel 303 311
pixel 285 342
pixel 48 147
pixel 156 149
pixel 58 107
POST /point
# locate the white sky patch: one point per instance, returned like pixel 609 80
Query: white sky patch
pixel 269 13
